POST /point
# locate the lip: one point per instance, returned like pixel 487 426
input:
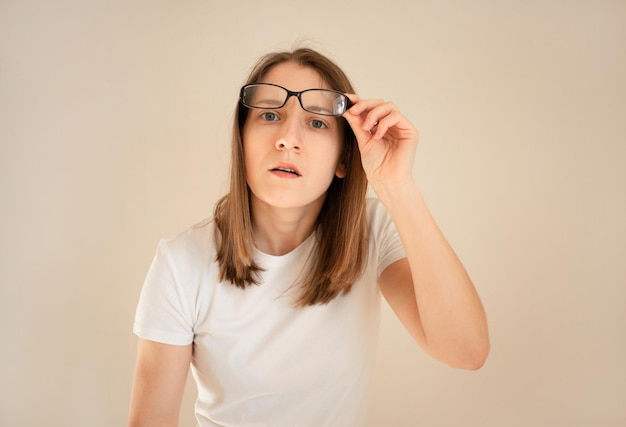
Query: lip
pixel 286 169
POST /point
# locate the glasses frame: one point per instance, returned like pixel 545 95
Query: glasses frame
pixel 298 95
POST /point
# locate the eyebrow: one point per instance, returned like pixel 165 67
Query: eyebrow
pixel 316 109
pixel 269 102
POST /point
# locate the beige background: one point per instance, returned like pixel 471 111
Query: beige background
pixel 114 121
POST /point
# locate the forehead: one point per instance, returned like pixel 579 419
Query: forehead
pixel 294 77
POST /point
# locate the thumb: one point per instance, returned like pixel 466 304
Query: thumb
pixel 356 123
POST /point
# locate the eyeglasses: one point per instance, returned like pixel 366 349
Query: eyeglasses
pixel 325 102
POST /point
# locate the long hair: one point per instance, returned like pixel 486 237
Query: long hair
pixel 340 252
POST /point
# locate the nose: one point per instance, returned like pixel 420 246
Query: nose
pixel 289 136
pixel 286 142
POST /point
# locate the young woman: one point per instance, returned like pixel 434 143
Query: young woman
pixel 274 302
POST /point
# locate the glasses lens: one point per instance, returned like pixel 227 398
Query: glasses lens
pixel 319 101
pixel 263 96
pixel 326 102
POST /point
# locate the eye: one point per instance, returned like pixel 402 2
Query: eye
pixel 269 116
pixel 318 124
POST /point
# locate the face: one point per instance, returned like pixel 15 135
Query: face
pixel 291 155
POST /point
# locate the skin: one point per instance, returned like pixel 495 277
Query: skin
pixel 285 206
pixel 429 290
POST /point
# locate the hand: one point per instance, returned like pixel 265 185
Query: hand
pixel 386 139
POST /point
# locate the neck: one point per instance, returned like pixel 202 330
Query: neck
pixel 278 231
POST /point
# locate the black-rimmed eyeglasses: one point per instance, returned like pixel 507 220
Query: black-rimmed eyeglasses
pixel 325 102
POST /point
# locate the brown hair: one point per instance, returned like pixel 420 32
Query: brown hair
pixel 341 225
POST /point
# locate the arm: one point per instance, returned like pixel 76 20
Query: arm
pixel 429 291
pixel 159 383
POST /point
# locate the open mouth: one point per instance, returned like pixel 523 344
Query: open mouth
pixel 285 170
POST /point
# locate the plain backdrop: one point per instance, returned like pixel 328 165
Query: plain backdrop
pixel 114 131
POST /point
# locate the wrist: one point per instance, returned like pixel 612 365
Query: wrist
pixel 395 190
pixel 398 196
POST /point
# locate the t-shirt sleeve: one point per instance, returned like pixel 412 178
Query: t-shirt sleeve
pixel 388 242
pixel 163 313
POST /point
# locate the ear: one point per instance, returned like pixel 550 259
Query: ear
pixel 340 172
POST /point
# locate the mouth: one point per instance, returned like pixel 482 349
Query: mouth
pixel 286 170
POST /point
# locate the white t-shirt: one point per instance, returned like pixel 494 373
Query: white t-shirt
pixel 258 360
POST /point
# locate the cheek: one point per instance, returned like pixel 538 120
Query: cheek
pixel 329 164
pixel 248 149
pixel 338 152
pixel 249 161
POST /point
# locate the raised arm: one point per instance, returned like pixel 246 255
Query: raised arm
pixel 430 291
pixel 159 383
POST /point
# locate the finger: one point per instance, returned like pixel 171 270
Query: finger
pixel 364 108
pixel 387 122
pixel 380 117
pixel 356 123
pixel 377 118
pixel 362 105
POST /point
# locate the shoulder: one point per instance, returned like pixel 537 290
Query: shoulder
pixel 373 206
pixel 196 244
pixel 377 216
pixel 168 306
pixel 383 237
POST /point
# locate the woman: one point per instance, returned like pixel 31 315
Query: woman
pixel 274 301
